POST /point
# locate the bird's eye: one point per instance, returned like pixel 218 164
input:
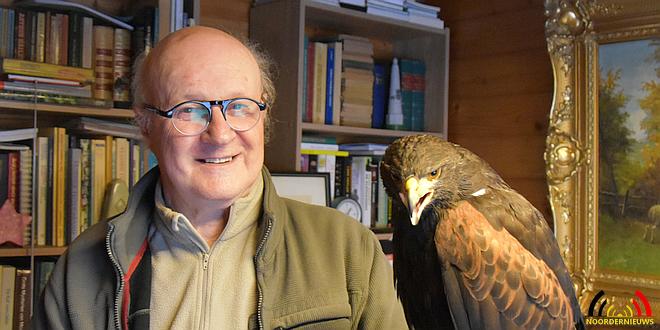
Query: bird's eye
pixel 434 174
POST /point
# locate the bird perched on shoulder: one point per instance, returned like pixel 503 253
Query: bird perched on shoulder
pixel 469 246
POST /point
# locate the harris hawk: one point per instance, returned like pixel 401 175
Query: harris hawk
pixel 469 251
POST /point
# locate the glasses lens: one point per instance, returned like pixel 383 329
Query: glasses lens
pixel 191 118
pixel 242 114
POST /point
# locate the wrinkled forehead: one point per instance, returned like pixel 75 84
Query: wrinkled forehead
pixel 201 61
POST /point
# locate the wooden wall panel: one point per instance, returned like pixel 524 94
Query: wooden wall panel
pixel 500 82
pixel 500 88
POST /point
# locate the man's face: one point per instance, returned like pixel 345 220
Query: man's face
pixel 219 165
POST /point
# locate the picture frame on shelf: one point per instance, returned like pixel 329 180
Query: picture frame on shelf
pixel 606 61
pixel 312 188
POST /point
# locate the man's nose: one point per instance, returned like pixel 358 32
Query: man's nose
pixel 219 130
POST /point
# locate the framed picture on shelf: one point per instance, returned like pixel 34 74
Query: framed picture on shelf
pixel 312 188
pixel 602 156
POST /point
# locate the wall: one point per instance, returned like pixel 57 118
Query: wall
pixel 500 82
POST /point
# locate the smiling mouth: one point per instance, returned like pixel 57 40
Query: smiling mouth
pixel 222 160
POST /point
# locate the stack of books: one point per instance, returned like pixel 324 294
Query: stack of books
pixel 424 14
pixel 357 81
pixel 388 8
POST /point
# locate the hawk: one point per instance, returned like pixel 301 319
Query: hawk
pixel 469 251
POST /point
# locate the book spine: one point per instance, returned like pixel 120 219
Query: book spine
pixel 74 48
pixel 25 190
pixel 87 52
pixel 42 189
pixel 20 35
pixel 337 76
pixel 29 68
pixel 121 68
pixel 75 174
pixel 123 160
pixel 64 39
pixel 8 285
pixel 320 58
pixel 98 181
pixel 40 41
pixel 30 35
pixel 329 83
pixel 407 87
pixel 417 120
pixel 379 97
pixel 12 179
pixel 4 18
pixel 22 296
pixel 63 152
pixel 309 87
pixel 303 109
pixel 103 50
pixel 11 33
pixel 85 184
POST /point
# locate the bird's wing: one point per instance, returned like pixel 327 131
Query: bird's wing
pixel 506 209
pixel 502 284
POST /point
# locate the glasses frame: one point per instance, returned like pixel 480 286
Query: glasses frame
pixel 209 106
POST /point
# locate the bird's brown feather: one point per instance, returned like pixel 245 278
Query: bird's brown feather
pixel 529 294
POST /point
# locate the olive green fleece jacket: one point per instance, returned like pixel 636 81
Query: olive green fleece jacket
pixel 316 269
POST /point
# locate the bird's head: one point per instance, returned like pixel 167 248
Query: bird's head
pixel 424 171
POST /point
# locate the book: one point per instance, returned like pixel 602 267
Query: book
pixel 22 299
pixel 79 91
pixel 87 55
pixel 103 54
pixel 74 193
pixel 42 190
pixel 329 83
pixel 74 6
pixel 380 97
pixel 337 79
pixel 309 87
pixel 25 172
pixel 7 287
pixel 121 68
pixel 39 97
pixel 29 68
pixel 17 134
pixel 98 177
pixel 320 72
pixel 96 126
pixel 42 80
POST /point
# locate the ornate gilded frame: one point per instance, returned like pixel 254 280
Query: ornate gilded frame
pixel 574 29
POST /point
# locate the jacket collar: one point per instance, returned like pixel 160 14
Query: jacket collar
pixel 129 229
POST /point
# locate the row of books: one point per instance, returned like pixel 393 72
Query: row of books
pixel 354 171
pixel 343 85
pixel 16 293
pixel 83 56
pixel 72 169
pixel 340 87
pixel 404 10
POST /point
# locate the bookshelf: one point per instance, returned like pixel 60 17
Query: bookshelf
pixel 15 114
pixel 280 27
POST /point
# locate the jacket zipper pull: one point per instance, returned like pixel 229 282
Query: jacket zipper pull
pixel 206 261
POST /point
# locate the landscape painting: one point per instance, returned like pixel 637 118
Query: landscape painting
pixel 629 157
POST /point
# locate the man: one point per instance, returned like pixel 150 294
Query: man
pixel 205 241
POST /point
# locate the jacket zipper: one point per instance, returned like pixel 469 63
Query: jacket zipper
pixel 120 276
pixel 260 301
pixel 205 286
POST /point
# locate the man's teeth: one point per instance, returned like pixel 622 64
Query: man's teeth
pixel 217 160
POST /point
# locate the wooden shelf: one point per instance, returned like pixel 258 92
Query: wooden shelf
pixel 358 131
pixel 37 252
pixel 67 109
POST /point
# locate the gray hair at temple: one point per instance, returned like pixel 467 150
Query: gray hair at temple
pixel 266 68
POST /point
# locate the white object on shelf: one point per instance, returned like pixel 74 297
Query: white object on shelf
pixel 395 111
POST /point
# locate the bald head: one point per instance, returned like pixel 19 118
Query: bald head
pixel 173 71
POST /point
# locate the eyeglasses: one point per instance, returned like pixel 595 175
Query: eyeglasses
pixel 193 117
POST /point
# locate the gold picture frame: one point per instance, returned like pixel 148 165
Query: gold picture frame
pixel 574 31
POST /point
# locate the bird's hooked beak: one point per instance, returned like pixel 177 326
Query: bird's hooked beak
pixel 417 196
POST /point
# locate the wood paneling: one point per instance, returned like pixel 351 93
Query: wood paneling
pixel 232 16
pixel 500 88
